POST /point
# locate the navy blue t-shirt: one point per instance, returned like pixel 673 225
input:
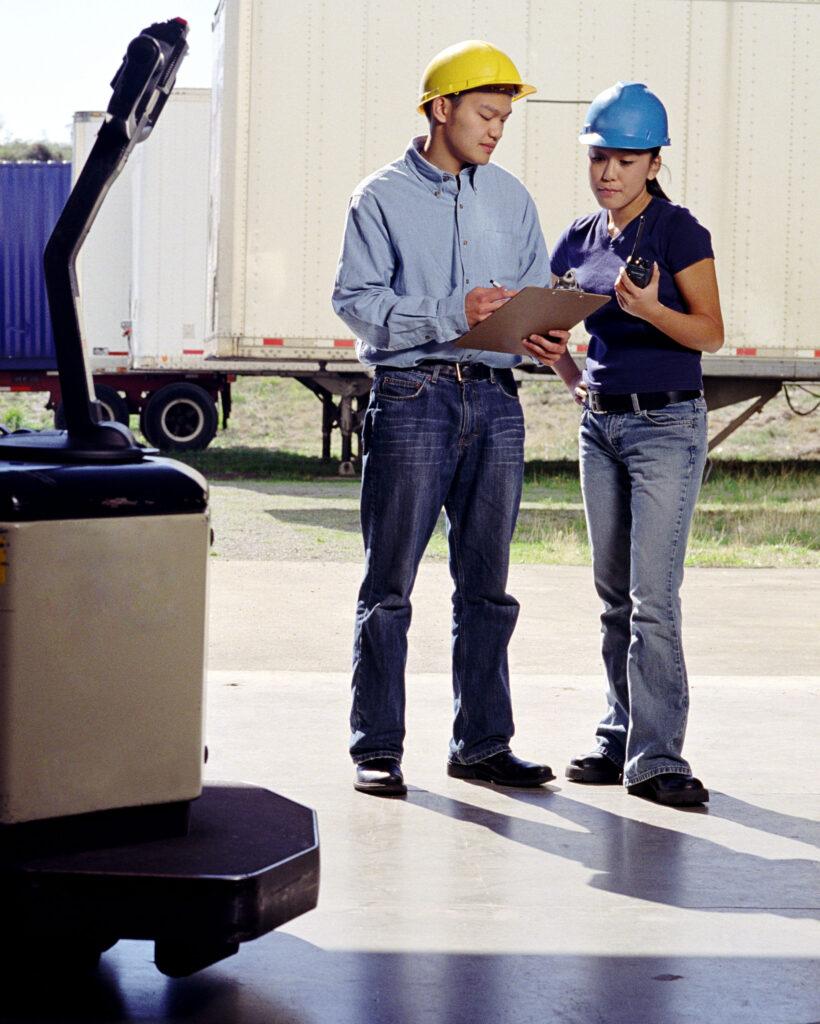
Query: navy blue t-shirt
pixel 627 354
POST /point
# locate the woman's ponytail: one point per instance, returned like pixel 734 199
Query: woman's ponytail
pixel 653 186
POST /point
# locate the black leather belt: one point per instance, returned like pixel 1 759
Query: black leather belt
pixel 600 402
pixel 461 371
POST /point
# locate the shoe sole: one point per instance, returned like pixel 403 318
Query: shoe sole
pixel 692 799
pixel 377 789
pixel 591 778
pixel 467 771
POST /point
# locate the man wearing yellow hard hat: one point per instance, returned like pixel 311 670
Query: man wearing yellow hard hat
pixel 434 243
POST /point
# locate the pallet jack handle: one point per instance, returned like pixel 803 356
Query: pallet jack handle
pixel 141 87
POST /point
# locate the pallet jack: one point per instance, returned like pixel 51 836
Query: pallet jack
pixel 106 830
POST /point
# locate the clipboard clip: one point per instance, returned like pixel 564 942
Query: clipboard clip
pixel 568 282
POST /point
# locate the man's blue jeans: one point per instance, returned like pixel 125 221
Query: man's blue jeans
pixel 430 441
pixel 640 475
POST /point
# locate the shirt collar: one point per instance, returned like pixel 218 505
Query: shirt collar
pixel 429 173
pixel 649 212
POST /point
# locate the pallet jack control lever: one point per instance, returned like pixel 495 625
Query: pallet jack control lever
pixel 141 87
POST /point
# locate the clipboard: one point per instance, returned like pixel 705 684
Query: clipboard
pixel 532 311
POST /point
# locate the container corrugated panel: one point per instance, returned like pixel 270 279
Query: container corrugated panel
pixel 32 195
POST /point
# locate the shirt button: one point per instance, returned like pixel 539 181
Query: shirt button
pixel 465 241
pixel 461 206
pixel 437 193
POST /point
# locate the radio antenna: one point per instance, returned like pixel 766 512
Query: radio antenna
pixel 637 238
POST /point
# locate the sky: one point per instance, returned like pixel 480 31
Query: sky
pixel 59 56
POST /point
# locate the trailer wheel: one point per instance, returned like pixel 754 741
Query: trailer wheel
pixel 179 417
pixel 114 406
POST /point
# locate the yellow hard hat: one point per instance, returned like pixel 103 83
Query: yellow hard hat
pixel 469 65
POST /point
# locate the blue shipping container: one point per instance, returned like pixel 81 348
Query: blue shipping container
pixel 32 196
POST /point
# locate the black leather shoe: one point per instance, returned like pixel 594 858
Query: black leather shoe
pixel 672 789
pixel 502 769
pixel 595 769
pixel 380 776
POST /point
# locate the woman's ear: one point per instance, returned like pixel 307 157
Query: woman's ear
pixel 654 167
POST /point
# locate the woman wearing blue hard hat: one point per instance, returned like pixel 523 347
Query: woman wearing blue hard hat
pixel 642 435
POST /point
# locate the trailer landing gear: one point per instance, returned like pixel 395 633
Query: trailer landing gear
pixel 720 391
pixel 347 414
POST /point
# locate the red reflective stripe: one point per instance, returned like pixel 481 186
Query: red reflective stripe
pixel 110 353
pixel 745 351
pixel 581 348
pixel 817 353
pixel 191 351
pixel 23 387
pixel 343 343
pixel 273 341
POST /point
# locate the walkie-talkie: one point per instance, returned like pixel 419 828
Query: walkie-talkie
pixel 638 270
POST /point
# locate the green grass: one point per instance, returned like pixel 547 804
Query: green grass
pixel 759 506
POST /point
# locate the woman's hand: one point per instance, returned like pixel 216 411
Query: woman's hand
pixel 701 327
pixel 547 350
pixel 640 302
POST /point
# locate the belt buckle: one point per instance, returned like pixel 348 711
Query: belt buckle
pixel 594 403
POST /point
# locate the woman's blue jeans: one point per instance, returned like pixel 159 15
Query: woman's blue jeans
pixel 640 475
pixel 430 441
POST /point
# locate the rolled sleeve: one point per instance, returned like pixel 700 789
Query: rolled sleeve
pixel 366 302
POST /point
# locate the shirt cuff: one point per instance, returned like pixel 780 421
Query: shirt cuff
pixel 451 317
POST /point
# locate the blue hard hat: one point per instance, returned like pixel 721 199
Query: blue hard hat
pixel 626 116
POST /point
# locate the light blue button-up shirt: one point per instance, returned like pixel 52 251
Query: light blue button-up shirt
pixel 417 239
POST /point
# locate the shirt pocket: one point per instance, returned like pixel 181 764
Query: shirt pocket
pixel 501 254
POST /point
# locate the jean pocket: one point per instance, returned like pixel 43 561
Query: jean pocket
pixel 400 388
pixel 681 414
pixel 507 385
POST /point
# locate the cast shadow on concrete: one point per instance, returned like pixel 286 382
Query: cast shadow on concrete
pixel 644 861
pixel 282 979
pixel 763 819
pixel 345 519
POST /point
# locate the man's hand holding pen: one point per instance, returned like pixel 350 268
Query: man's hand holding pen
pixel 481 302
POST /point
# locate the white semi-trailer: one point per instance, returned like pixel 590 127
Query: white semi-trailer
pixel 308 98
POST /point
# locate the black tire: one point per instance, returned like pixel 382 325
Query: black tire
pixel 179 417
pixel 114 405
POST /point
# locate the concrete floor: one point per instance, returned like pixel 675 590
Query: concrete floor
pixel 463 903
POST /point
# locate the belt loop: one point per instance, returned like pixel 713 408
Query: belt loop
pixel 636 405
pixel 492 375
pixel 436 372
pixel 458 373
